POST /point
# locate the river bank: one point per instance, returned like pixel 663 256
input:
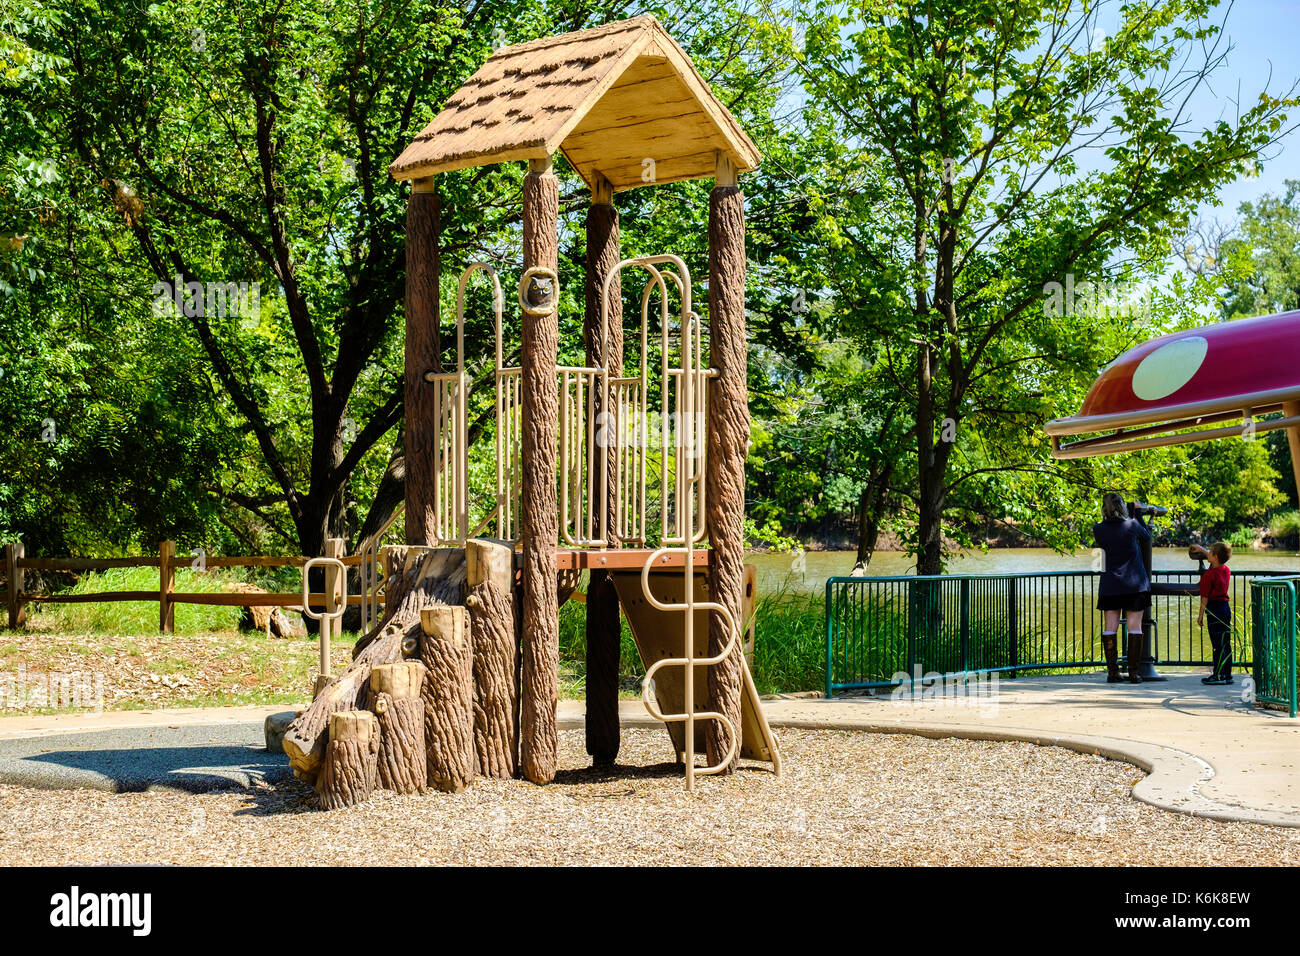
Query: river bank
pixel 808 572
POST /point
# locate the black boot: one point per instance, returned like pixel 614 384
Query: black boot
pixel 1136 652
pixel 1110 647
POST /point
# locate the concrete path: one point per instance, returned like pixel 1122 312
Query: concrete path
pixel 1205 752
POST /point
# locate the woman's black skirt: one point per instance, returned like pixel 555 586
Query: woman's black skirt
pixel 1124 602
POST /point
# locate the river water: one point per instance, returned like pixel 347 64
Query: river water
pixel 808 573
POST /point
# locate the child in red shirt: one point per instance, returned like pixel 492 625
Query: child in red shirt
pixel 1215 588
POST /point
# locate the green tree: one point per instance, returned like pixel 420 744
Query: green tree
pixel 217 141
pixel 1268 238
pixel 989 150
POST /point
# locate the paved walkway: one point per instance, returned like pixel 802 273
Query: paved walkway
pixel 1205 752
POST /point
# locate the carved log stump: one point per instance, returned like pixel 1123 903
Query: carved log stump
pixel 349 771
pixel 419 578
pixel 395 696
pixel 448 693
pixel 728 437
pixel 539 519
pixel 490 572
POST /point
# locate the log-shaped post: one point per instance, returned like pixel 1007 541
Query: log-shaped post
pixel 351 766
pixel 728 438
pixel 1291 409
pixel 395 699
pixel 423 354
pixel 166 586
pixel 14 553
pixel 448 693
pixel 490 578
pixel 604 351
pixel 539 524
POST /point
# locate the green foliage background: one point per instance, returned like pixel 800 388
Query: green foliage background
pixel 123 137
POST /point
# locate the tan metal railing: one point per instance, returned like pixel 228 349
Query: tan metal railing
pixel 372 581
pixel 681 415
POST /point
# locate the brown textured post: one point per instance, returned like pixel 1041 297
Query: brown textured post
pixel 603 625
pixel 395 699
pixel 422 355
pixel 448 694
pixel 351 767
pixel 490 577
pixel 539 524
pixel 14 574
pixel 728 441
pixel 166 585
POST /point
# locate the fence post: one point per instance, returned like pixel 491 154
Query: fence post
pixel 166 585
pixel 830 641
pixel 14 552
pixel 1013 625
pixel 964 626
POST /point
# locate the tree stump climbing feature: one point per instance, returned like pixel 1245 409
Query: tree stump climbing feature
pixel 350 769
pixel 490 575
pixel 419 577
pixel 448 693
pixel 397 705
pixel 728 437
pixel 539 525
pixel 423 354
pixel 604 350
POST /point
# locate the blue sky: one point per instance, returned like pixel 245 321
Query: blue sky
pixel 1265 35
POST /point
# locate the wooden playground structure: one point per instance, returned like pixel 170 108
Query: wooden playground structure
pixel 459 675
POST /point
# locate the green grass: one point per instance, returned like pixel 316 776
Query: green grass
pixel 1285 526
pixel 789 648
pixel 137 617
pixel 789 643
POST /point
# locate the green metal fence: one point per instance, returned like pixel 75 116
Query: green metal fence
pixel 1273 629
pixel 878 628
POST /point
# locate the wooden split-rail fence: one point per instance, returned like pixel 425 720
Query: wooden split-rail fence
pixel 331 600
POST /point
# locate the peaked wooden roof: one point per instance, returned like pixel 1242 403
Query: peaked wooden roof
pixel 610 98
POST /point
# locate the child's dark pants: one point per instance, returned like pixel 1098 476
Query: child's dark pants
pixel 1218 616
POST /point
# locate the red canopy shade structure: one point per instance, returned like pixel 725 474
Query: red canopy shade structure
pixel 1187 386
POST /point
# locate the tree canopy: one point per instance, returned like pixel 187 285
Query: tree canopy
pixel 202 256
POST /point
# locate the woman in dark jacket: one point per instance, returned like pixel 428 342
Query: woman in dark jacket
pixel 1125 585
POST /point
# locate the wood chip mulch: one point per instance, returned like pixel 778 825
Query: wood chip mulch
pixel 845 798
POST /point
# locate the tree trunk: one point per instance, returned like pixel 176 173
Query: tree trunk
pixel 605 351
pixel 349 771
pixel 420 578
pixel 395 699
pixel 539 525
pixel 728 437
pixel 423 354
pixel 871 509
pixel 489 567
pixel 448 693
